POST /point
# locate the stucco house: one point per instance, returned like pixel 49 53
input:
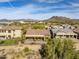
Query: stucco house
pixel 63 33
pixel 37 34
pixel 9 32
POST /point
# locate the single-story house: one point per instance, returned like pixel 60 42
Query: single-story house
pixel 63 33
pixel 37 34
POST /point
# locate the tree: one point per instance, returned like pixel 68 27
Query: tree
pixel 59 49
pixel 23 35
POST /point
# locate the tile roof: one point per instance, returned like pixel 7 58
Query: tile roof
pixel 10 28
pixel 76 30
pixel 63 31
pixel 37 32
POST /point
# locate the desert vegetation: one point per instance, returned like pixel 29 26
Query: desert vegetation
pixel 59 49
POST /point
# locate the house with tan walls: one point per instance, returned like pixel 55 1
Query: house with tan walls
pixel 63 33
pixel 9 32
pixel 37 34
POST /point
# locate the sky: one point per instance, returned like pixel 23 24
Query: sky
pixel 38 9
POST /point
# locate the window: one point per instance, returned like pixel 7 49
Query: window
pixel 9 36
pixel 13 30
pixel 9 31
pixel 3 31
pixel 67 36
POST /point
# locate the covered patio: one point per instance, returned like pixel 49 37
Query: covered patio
pixel 37 34
pixel 66 35
pixel 35 37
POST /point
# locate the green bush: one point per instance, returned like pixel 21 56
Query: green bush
pixel 25 49
pixel 38 26
pixel 8 42
pixel 1 41
pixel 59 49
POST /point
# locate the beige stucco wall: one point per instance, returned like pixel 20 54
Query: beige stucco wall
pixel 13 34
pixel 16 33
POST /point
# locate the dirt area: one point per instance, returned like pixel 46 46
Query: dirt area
pixel 20 47
pixel 14 50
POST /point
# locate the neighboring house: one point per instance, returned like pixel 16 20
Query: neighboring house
pixel 63 33
pixel 57 27
pixel 9 32
pixel 37 34
pixel 68 26
pixel 77 32
pixel 63 26
pixel 22 22
pixel 5 22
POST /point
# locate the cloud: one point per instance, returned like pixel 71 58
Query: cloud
pixel 27 11
pixel 5 0
pixel 74 4
pixel 50 1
